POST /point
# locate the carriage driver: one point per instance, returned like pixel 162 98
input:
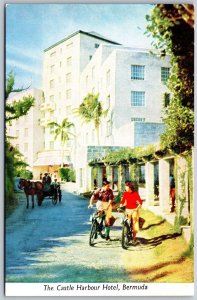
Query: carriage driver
pixel 105 198
pixel 46 180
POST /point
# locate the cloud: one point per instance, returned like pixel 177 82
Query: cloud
pixel 30 69
pixel 33 54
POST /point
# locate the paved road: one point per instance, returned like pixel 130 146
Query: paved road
pixel 50 244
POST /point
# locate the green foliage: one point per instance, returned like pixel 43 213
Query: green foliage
pixel 179 120
pixel 19 108
pixel 10 200
pixel 14 164
pixel 129 155
pixel 26 174
pixel 91 110
pixel 62 130
pixel 67 174
pixel 190 251
pixel 167 23
pixel 118 198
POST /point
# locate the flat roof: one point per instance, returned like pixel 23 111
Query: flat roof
pixel 92 34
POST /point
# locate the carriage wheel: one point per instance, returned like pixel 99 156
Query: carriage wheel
pixel 54 199
pixel 60 196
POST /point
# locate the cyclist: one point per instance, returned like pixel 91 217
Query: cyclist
pixel 132 201
pixel 104 197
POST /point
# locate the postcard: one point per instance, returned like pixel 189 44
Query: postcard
pixel 99 149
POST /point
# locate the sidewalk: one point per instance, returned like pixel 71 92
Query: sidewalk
pixel 159 257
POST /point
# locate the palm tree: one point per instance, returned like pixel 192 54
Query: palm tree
pixel 91 110
pixel 63 131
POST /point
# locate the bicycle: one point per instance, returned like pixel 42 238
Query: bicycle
pixel 127 232
pixel 98 225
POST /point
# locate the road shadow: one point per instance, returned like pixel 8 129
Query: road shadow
pixel 156 267
pixel 146 244
pixel 152 225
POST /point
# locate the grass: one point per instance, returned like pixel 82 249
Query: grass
pixel 162 256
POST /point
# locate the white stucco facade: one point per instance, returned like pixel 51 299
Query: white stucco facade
pixel 83 63
pixel 28 135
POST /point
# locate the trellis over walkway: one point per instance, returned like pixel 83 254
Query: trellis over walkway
pixel 152 178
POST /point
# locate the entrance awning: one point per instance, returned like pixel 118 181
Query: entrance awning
pixel 47 161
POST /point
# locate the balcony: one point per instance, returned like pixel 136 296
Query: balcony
pixel 42 106
pixel 49 105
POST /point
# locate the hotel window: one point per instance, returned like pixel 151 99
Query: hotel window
pixel 51 145
pixel 108 101
pixel 51 84
pixel 51 98
pixel 96 45
pixel 93 73
pixel 52 69
pixel 68 94
pixel 60 64
pixel 52 54
pixel 26 132
pixel 86 138
pixel 17 133
pixel 25 147
pixel 68 77
pixel 137 72
pixel 108 78
pixel 68 110
pixel 90 57
pixel 51 129
pixel 69 62
pixel 137 119
pixel 69 46
pixel 137 98
pixel 166 99
pixel 86 81
pixel 165 73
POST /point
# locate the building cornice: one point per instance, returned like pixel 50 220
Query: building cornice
pixel 81 32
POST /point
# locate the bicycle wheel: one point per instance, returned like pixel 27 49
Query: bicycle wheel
pixel 125 236
pixel 93 233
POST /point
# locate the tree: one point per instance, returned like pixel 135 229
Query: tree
pixel 63 132
pixel 91 110
pixel 19 108
pixel 172 27
pixel 14 163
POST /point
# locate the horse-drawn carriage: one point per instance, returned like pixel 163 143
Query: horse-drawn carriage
pixel 53 192
pixel 31 188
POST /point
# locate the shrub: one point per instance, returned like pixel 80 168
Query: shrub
pixel 67 174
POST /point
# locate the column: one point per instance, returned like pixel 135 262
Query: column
pixel 100 176
pixel 122 177
pixel 181 187
pixel 109 174
pixel 164 171
pixel 149 175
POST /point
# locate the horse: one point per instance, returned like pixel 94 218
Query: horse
pixel 31 188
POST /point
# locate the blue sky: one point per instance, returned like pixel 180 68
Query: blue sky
pixel 31 28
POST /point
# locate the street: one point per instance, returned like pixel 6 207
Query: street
pixel 51 244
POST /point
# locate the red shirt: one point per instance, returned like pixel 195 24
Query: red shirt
pixel 131 199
